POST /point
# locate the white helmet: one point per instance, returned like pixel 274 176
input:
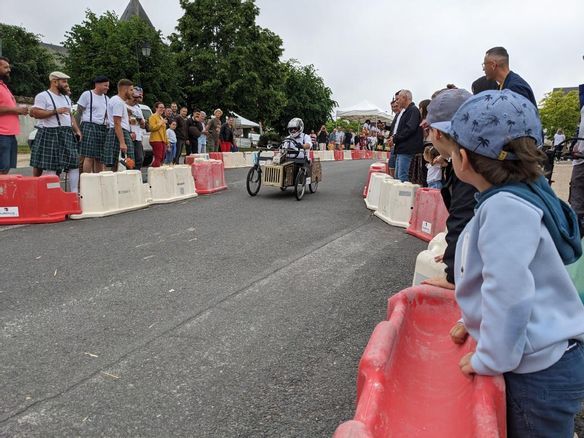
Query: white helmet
pixel 295 127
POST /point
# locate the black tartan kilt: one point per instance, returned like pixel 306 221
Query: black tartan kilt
pixel 55 149
pixel 93 140
pixel 111 152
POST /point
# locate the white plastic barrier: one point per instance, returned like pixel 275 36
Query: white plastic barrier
pixel 234 160
pixel 374 191
pixel 325 155
pixel 108 193
pixel 348 155
pixel 197 156
pixel 396 202
pixel 426 265
pixel 171 183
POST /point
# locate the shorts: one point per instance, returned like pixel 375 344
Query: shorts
pixel 8 151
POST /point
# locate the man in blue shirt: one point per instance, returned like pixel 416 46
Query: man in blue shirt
pixel 496 68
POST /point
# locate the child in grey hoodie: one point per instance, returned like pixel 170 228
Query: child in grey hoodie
pixel 516 297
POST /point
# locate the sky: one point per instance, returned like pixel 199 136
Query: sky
pixel 368 50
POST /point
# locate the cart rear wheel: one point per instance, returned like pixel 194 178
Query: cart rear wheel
pixel 300 184
pixel 313 186
pixel 254 181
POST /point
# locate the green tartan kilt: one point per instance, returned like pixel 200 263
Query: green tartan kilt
pixel 93 140
pixel 111 152
pixel 55 149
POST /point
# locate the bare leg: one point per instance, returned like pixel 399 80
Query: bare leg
pixel 88 165
pixel 36 171
pixel 97 166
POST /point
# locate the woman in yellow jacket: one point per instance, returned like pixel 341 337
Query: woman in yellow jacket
pixel 158 138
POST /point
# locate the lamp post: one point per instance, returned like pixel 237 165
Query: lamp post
pixel 146 51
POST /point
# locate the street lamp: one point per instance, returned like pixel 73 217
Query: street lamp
pixel 146 49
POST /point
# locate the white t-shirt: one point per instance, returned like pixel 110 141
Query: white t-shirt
pixel 137 113
pixel 399 116
pixel 434 173
pixel 171 135
pixel 116 107
pixel 558 138
pixel 95 113
pixel 43 101
pixel 302 139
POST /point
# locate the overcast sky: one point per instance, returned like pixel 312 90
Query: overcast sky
pixel 366 50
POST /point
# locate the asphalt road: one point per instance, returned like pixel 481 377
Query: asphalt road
pixel 221 316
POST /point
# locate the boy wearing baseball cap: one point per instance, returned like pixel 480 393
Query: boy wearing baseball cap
pixel 516 297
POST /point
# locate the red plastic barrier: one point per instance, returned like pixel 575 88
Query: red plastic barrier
pixel 311 155
pixel 409 383
pixel 29 200
pixel 369 155
pixel 374 168
pixel 209 176
pixel 358 154
pixel 429 214
pixel 190 159
pixel 216 156
pixel 339 155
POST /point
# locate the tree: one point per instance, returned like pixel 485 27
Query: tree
pixel 31 63
pixel 228 60
pixel 307 97
pixel 560 110
pixel 105 45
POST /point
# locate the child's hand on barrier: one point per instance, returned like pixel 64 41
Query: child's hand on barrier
pixel 458 333
pixel 439 282
pixel 465 365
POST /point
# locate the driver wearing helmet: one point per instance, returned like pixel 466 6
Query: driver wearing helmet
pixel 301 141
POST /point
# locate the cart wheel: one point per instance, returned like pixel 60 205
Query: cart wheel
pixel 254 181
pixel 283 188
pixel 300 185
pixel 313 186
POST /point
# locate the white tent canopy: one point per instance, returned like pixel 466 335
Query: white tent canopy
pixel 364 111
pixel 243 122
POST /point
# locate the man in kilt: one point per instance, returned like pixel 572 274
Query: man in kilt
pixel 118 135
pixel 92 107
pixel 55 147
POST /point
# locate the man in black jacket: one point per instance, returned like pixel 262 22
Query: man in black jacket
pixel 409 136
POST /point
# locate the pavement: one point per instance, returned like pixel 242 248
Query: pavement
pixel 220 316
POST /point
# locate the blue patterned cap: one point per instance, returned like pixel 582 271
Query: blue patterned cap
pixel 485 123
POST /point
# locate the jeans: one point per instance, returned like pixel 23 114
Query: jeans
pixel 402 167
pixel 179 148
pixel 544 404
pixel 391 161
pixel 138 154
pixel 170 153
pixel 202 144
pixel 435 185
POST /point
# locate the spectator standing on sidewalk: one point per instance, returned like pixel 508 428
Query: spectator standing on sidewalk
pixel 409 137
pixel 137 125
pixel 226 135
pixel 118 138
pixel 55 146
pixel 171 147
pixel 213 128
pixel 182 135
pixel 92 110
pixel 202 141
pixel 9 123
pixel 158 138
pixel 496 68
pixel 322 138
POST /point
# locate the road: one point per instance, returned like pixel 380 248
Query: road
pixel 221 316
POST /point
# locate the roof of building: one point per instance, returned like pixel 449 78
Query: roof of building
pixel 135 9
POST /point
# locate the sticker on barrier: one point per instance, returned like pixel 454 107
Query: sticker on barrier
pixel 35 200
pixel 429 214
pixel 409 382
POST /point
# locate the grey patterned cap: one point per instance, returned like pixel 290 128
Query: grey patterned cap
pixel 485 123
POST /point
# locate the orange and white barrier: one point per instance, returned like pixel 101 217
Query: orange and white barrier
pixel 429 214
pixel 209 176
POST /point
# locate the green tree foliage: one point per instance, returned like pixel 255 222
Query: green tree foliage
pixel 344 125
pixel 229 62
pixel 31 63
pixel 307 97
pixel 560 110
pixel 104 45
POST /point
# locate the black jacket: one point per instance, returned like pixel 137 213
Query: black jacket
pixel 409 137
pixel 459 198
pixel 226 133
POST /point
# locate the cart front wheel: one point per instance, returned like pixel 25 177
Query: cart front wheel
pixel 300 184
pixel 254 181
pixel 313 186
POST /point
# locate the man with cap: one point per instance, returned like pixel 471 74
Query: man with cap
pixel 459 197
pixel 9 123
pixel 55 147
pixel 137 125
pixel 92 108
pixel 118 137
